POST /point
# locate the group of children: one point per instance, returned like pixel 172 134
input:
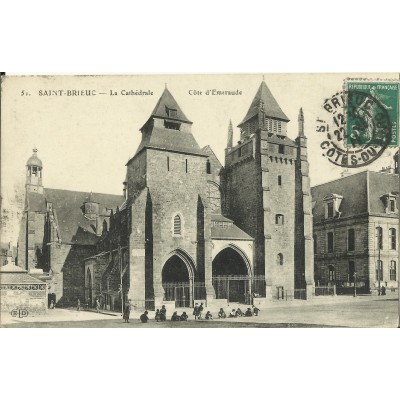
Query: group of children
pixel 161 314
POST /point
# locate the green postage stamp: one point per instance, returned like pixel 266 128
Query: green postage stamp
pixel 372 113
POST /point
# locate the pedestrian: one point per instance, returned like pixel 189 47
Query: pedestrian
pixel 209 315
pixel 163 314
pixel 144 318
pixel 78 306
pixel 52 304
pixel 196 310
pixel 232 314
pixel 221 313
pixel 255 311
pixel 184 316
pixel 175 316
pixel 239 313
pixel 157 316
pixel 200 309
pixel 97 305
pixel 383 291
pixel 127 312
pixel 248 313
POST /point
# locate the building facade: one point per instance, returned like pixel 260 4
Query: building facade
pixel 187 228
pixel 356 222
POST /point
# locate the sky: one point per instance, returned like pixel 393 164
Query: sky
pixel 84 142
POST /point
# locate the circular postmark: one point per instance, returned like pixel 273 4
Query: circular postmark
pixel 358 129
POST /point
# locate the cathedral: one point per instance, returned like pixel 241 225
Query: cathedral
pixel 187 228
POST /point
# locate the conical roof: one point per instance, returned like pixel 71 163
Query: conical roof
pixel 34 160
pixel 271 107
pixel 165 103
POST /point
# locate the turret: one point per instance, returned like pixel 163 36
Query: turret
pixel 34 169
pixel 301 123
pixel 230 136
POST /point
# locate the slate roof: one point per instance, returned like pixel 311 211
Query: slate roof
pixel 171 140
pixel 271 106
pixel 361 193
pixel 165 102
pixel 67 206
pixel 228 232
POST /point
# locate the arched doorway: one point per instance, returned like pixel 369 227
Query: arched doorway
pixel 177 280
pixel 89 288
pixel 231 276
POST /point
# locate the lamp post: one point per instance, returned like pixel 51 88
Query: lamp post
pixel 355 284
pixel 379 236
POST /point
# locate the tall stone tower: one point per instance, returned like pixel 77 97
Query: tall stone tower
pixel 166 185
pixel 268 194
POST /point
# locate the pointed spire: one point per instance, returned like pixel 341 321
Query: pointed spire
pixel 301 123
pixel 167 107
pixel 230 135
pixel 265 101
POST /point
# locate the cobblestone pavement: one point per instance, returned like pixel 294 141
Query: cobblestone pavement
pixel 363 311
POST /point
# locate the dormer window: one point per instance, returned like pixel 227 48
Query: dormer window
pixel 172 113
pixel 390 203
pixel 332 205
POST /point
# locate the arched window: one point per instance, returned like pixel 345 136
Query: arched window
pixel 214 197
pixel 177 225
pixel 379 237
pixel 392 238
pixel 392 274
pixel 279 219
pixel 279 259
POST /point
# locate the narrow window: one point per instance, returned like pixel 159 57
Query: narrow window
pixel 280 180
pixel 167 163
pixel 392 270
pixel 331 271
pixel 177 225
pixel 279 219
pixel 350 240
pixel 186 162
pixel 281 149
pixel 392 238
pixel 330 242
pixel 315 244
pixel 351 271
pixel 279 127
pixel 379 237
pixel 279 259
pixel 240 152
pixel 392 206
pixel 208 167
pixel 330 210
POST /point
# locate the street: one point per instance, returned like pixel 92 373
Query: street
pixel 341 311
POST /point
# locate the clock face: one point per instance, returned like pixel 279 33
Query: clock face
pixel 214 197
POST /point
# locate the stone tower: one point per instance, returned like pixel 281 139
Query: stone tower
pixel 268 193
pixel 166 192
pixel 34 170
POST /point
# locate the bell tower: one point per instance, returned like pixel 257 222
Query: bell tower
pixel 34 168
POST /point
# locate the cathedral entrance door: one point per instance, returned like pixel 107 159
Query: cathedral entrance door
pixel 231 278
pixel 177 282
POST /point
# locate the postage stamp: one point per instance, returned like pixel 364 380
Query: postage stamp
pixel 372 113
